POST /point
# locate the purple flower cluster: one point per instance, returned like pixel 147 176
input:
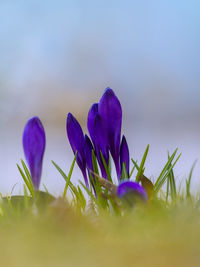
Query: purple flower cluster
pixel 104 126
pixel 104 123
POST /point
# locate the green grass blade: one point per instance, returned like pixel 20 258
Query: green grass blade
pixel 60 170
pixel 26 197
pixel 176 160
pixel 83 200
pixel 45 188
pixel 141 168
pixel 131 173
pixel 172 182
pixel 75 194
pixel 94 183
pixel 94 163
pixel 106 167
pixel 165 168
pixel 69 176
pixel 135 164
pixel 90 194
pixel 26 181
pixel 72 187
pixel 188 182
pixel 165 172
pixel 167 192
pixel 28 175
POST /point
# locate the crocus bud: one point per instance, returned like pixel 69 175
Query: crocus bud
pixel 131 192
pixel 77 142
pixel 99 135
pixel 124 156
pixel 110 110
pixel 34 142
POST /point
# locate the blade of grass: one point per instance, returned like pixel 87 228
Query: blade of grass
pixel 165 168
pixel 90 194
pixel 131 173
pixel 26 197
pixel 167 192
pixel 45 188
pixel 140 171
pixel 26 181
pixel 60 170
pixel 106 168
pixel 163 179
pixel 94 163
pixel 28 175
pixel 75 194
pixel 94 183
pixel 82 196
pixel 69 176
pixel 176 160
pixel 101 194
pixel 164 173
pixel 63 175
pixel 172 182
pixel 188 182
pixel 135 164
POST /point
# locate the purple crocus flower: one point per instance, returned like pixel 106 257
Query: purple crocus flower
pixel 34 141
pixel 77 142
pixel 131 191
pixel 124 156
pixel 110 110
pixel 98 132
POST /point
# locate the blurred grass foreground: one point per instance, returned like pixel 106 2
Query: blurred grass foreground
pixel 155 235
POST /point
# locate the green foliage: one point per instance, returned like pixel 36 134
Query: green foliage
pixel 69 176
pixel 26 177
pixel 92 221
pixel 106 167
pixel 141 167
pixel 171 182
pixel 101 193
pixel 166 171
pixel 188 182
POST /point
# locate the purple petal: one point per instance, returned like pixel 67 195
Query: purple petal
pixel 101 142
pixel 90 120
pixel 124 155
pixel 34 142
pixel 111 112
pixel 77 142
pixel 88 152
pixel 133 189
pixel 89 164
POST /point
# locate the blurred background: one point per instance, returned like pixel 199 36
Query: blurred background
pixel 59 56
